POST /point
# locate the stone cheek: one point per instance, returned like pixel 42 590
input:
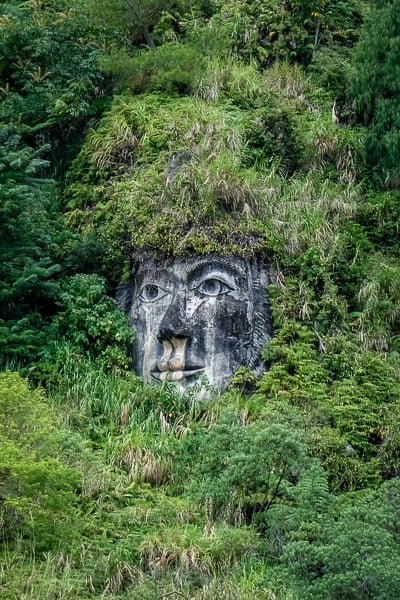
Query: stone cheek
pixel 198 319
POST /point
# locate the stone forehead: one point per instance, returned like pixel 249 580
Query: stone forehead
pixel 235 264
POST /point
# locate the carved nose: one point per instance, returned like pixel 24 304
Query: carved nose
pixel 173 358
pixel 174 323
pixel 166 333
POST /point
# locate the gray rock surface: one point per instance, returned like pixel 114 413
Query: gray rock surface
pixel 199 319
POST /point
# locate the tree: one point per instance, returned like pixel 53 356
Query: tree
pixel 246 469
pixel 50 87
pixel 50 82
pixel 376 88
pixel 350 551
pixel 27 237
pixel 270 30
pixel 136 17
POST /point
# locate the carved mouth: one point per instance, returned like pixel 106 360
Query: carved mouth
pixel 175 375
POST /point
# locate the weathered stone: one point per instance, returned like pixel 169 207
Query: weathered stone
pixel 198 319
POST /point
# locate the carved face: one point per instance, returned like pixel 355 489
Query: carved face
pixel 198 318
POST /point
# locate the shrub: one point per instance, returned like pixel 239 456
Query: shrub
pixel 89 322
pixel 37 490
pixel 352 555
pixel 171 68
pixel 245 469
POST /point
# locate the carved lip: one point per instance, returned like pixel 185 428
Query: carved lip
pixel 176 375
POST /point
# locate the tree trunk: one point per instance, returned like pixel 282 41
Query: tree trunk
pixel 147 37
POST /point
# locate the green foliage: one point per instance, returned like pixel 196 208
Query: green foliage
pixel 245 469
pixel 240 140
pixel 37 491
pixel 45 579
pixel 243 379
pixel 375 89
pixel 330 68
pixel 127 211
pixel 380 216
pixel 50 86
pixel 353 555
pixel 190 549
pixel 28 223
pixel 90 323
pixel 379 296
pixel 172 68
pixel 246 174
pixel 144 22
pixel 100 400
pixel 346 398
pixel 268 30
pixel 48 66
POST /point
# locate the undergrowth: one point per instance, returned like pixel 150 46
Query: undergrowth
pixel 235 135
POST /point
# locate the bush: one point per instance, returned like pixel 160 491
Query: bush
pixel 37 490
pixel 352 554
pixel 172 68
pixel 88 323
pixel 245 469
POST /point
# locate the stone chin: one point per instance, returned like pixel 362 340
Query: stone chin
pixel 197 320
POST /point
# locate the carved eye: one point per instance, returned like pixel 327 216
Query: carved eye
pixel 151 292
pixel 213 287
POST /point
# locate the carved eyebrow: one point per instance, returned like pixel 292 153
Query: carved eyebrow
pixel 153 275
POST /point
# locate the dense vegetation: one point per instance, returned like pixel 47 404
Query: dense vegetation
pixel 286 114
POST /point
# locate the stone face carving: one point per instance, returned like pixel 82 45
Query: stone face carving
pixel 197 319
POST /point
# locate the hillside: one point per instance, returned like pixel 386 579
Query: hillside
pixel 257 133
